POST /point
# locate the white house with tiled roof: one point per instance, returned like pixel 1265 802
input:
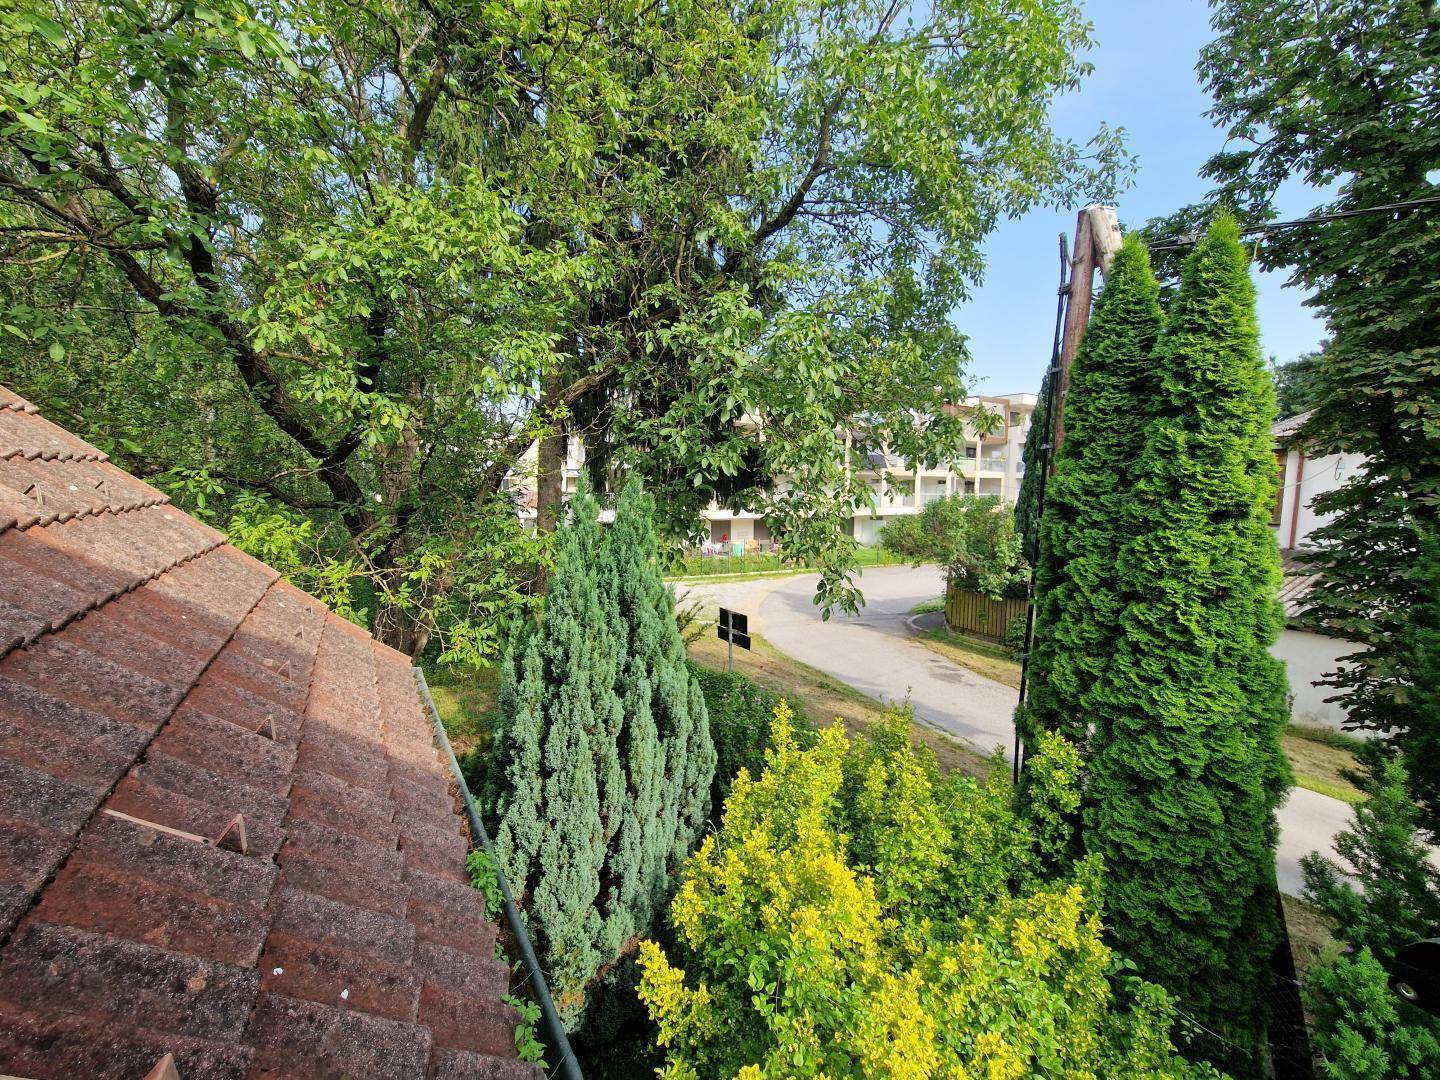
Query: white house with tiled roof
pixel 1308 656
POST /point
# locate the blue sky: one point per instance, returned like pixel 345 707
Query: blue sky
pixel 1144 81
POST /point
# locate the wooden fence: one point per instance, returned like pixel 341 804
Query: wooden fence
pixel 972 613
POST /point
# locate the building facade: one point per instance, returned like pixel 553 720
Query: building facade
pixel 1308 656
pixel 992 464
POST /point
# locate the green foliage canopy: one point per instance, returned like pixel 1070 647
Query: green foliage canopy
pixel 330 268
pixel 1163 577
pixel 1343 95
pixel 1089 510
pixel 1296 384
pixel 972 537
pixel 1363 1029
pixel 858 914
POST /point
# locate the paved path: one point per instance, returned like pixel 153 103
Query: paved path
pixel 875 653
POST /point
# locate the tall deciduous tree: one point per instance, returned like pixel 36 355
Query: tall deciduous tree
pixel 1344 95
pixel 1089 511
pixel 1183 785
pixel 603 756
pixel 353 258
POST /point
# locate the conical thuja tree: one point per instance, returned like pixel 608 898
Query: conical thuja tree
pixel 558 784
pixel 1087 515
pixel 1182 791
pixel 667 751
pixel 602 757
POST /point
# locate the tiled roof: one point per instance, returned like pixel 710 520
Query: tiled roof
pixel 1289 427
pixel 156 684
pixel 1299 580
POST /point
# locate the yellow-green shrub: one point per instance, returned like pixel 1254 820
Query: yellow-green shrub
pixel 860 914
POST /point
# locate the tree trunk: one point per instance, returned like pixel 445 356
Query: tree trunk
pixel 399 628
pixel 550 481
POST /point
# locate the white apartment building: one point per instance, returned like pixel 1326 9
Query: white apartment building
pixel 991 464
pixel 521 481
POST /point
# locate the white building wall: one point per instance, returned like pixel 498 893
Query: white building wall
pixel 1303 479
pixel 1308 657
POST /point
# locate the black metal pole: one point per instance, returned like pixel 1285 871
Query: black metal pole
pixel 1052 382
pixel 559 1041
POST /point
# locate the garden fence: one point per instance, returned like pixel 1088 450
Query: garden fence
pixel 974 613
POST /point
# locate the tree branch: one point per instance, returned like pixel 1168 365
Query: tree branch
pixel 521 440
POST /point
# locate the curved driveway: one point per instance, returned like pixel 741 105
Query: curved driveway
pixel 874 653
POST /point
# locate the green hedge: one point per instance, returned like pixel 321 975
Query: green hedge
pixel 761 562
pixel 741 712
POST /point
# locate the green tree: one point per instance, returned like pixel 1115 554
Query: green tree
pixel 1090 512
pixel 1187 769
pixel 971 536
pixel 669 756
pixel 1027 503
pixel 353 259
pixel 1397 900
pixel 1343 96
pixel 1362 1028
pixel 860 915
pixel 562 790
pixel 602 757
pixel 1296 384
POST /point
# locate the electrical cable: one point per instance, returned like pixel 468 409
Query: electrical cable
pixel 1177 243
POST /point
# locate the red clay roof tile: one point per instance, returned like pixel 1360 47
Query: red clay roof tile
pixel 11 400
pixel 25 434
pixel 154 684
pixel 294 1038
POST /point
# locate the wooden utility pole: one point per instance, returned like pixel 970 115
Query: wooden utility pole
pixel 1097 238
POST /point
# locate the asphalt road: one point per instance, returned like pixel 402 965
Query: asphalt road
pixel 876 653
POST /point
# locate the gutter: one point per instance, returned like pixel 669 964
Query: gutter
pixel 559 1042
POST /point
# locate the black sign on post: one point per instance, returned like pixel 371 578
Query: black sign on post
pixel 733 628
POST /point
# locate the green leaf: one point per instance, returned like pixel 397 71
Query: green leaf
pixel 48 28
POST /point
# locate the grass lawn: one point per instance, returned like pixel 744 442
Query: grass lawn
pixel 1318 755
pixel 1310 932
pixel 738 567
pixel 465 701
pixel 826 699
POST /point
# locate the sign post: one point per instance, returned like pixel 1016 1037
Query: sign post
pixel 733 629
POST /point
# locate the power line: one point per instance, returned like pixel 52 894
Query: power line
pixel 1185 240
